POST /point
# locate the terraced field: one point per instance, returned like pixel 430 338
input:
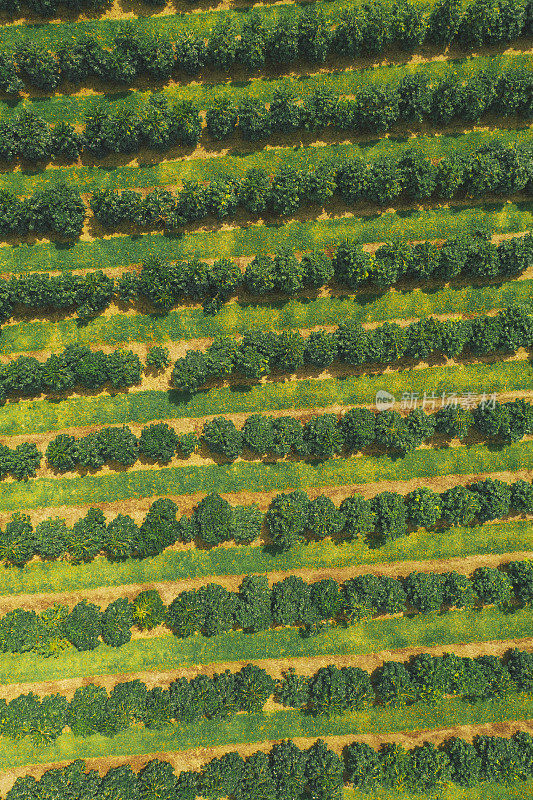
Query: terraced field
pixel 266 393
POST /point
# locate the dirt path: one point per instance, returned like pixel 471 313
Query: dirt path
pixel 168 590
pixel 274 667
pixel 193 759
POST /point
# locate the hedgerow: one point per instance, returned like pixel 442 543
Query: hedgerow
pixel 164 284
pixel 77 366
pixel 58 210
pixel 212 609
pixel 161 124
pixel 286 771
pixel 322 437
pixel 263 352
pixel 488 169
pixel 330 690
pixel 307 34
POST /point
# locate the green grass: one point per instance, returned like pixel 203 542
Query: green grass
pixel 246 476
pixel 522 790
pixel 500 217
pixel 73 108
pixel 60 576
pixel 370 636
pixel 245 728
pixel 41 416
pixel 271 159
pixel 235 319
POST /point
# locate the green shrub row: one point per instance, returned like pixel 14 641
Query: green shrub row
pixel 489 169
pixel 288 773
pixel 212 609
pixel 375 108
pixel 330 690
pixel 291 519
pixel 471 255
pixel 259 353
pixel 77 366
pixel 493 168
pixel 165 284
pixel 322 437
pixel 59 210
pixel 368 29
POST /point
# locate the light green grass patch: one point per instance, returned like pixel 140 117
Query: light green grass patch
pixel 244 476
pixel 523 790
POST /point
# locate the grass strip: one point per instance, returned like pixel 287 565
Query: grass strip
pixel 485 791
pixel 73 108
pixel 235 319
pixel 369 636
pixel 270 159
pixel 286 724
pixel 40 416
pixel 245 476
pixel 60 576
pixel 441 222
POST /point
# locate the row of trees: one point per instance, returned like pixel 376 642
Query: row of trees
pixel 89 294
pixel 470 255
pixel 330 690
pixel 157 442
pixel 494 168
pixel 49 8
pixel 374 108
pixel 212 522
pixel 288 773
pixel 164 284
pixel 212 609
pixel 291 519
pixel 157 123
pixel 261 353
pixel 58 209
pixel 322 437
pixel 256 41
pixel 76 366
